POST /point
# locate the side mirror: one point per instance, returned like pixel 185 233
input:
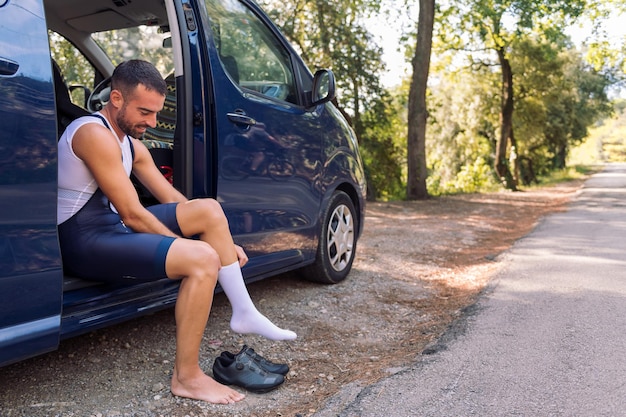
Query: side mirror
pixel 323 87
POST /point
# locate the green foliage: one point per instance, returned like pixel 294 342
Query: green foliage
pixel 75 67
pixel 490 29
pixel 461 133
pixel 383 148
pixel 558 97
pixel 601 53
pixel 571 173
pixel 606 141
pixel 553 178
pixel 144 42
pixel 473 177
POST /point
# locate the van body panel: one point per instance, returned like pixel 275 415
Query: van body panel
pixel 94 307
pixel 30 261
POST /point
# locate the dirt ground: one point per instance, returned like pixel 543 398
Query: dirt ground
pixel 418 266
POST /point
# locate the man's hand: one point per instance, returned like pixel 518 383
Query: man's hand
pixel 241 255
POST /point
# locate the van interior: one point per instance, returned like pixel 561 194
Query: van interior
pixel 81 36
pixel 88 39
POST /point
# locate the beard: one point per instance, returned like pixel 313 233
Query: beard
pixel 128 128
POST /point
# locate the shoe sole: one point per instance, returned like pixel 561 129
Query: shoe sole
pixel 224 381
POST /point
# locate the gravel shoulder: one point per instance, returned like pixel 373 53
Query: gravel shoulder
pixel 419 266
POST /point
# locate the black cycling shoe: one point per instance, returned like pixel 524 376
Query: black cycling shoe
pixel 245 373
pixel 266 365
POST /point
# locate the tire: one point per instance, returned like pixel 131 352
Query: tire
pixel 337 242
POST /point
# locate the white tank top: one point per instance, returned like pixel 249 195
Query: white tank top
pixel 76 185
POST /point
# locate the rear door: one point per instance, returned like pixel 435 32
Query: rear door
pixel 30 262
pixel 269 147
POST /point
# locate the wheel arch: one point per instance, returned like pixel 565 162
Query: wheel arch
pixel 357 200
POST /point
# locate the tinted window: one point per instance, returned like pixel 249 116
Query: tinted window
pixel 142 42
pixel 250 52
pixel 74 67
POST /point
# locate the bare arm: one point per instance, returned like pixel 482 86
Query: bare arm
pixel 98 148
pixel 149 175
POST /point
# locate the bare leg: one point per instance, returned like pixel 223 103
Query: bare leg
pixel 204 217
pixel 197 263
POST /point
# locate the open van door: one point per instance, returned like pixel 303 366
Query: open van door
pixel 269 144
pixel 30 261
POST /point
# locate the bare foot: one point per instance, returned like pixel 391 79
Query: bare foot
pixel 202 387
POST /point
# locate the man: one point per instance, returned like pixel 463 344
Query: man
pixel 106 234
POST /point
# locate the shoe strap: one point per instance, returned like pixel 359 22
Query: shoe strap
pixel 246 361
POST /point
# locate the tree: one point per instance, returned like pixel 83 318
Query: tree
pixel 493 25
pixel 559 97
pixel 383 145
pixel 418 113
pixel 606 56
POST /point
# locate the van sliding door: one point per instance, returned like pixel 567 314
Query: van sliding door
pixel 30 263
pixel 269 146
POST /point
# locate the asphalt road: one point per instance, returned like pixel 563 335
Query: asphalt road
pixel 547 339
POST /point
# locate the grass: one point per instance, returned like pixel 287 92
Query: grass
pixel 568 174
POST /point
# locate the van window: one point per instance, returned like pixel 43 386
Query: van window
pixel 75 68
pixel 250 53
pixel 142 42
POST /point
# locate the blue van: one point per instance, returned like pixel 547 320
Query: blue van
pixel 245 122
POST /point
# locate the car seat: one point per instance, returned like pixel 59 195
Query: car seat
pixel 66 110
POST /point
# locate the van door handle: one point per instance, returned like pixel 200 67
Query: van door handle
pixel 241 119
pixel 8 67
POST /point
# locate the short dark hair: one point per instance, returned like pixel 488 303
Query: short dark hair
pixel 129 74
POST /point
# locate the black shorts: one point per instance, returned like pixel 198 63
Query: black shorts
pixel 96 245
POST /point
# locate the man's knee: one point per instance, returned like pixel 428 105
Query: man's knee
pixel 211 211
pixel 211 205
pixel 205 257
pixel 200 216
pixel 195 258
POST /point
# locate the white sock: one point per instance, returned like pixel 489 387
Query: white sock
pixel 246 318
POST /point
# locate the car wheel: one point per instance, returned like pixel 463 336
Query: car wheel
pixel 337 242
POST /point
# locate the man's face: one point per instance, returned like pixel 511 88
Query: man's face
pixel 139 111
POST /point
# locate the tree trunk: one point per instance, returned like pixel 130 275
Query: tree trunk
pixel 506 123
pixel 560 156
pixel 356 103
pixel 418 114
pixel 514 159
